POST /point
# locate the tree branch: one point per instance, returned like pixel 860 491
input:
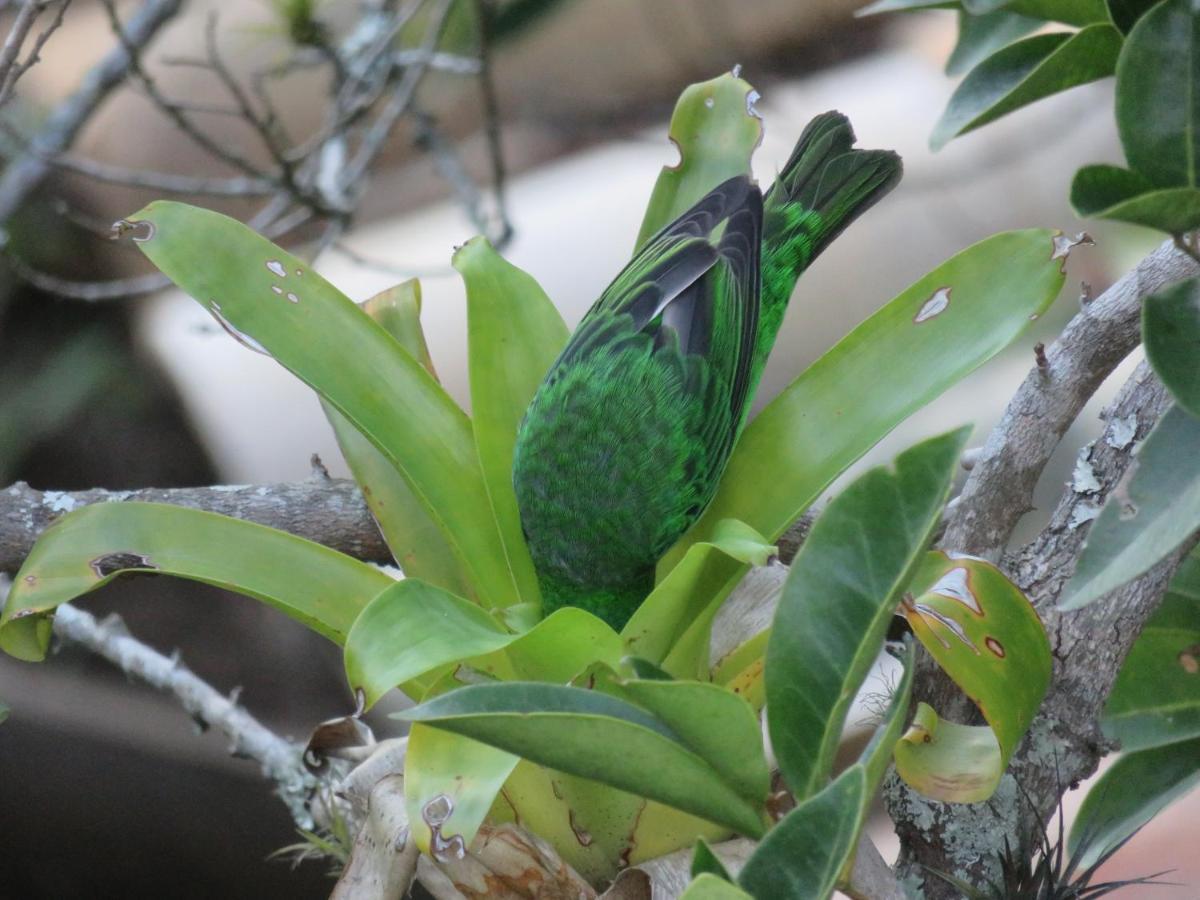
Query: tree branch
pixel 331 512
pixel 280 759
pixel 1064 744
pixel 1000 488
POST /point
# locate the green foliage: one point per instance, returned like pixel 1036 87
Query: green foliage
pixel 981 36
pixel 941 328
pixel 1025 72
pixel 1152 511
pixel 87 548
pixel 1171 334
pixel 625 743
pixel 716 131
pixel 848 576
pixel 987 637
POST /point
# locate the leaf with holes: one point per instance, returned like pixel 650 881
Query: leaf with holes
pixel 270 299
pixel 944 326
pixel 844 586
pixel 987 637
pixel 1151 511
pixel 716 131
pixel 87 548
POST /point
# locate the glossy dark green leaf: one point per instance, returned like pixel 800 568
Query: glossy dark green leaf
pixel 1125 13
pixel 1151 511
pixel 1156 697
pixel 597 736
pixel 87 548
pixel 841 593
pixel 1158 95
pixel 417 543
pixel 249 284
pixel 945 325
pixel 1130 793
pixel 1110 192
pixel 716 130
pixel 514 333
pixel 411 629
pixel 1024 72
pixel 1171 336
pixel 804 854
pixel 981 36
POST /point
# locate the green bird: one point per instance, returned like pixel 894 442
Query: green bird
pixel 623 444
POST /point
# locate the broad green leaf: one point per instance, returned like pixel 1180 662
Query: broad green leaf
pixel 416 541
pixel 1125 13
pixel 87 548
pixel 409 630
pixel 946 761
pixel 945 325
pixel 593 735
pixel 1110 192
pixel 804 854
pixel 981 36
pixel 707 886
pixel 704 860
pixel 690 708
pixel 450 783
pixel 1151 511
pixel 684 603
pixel 716 131
pixel 324 338
pixel 1171 335
pixel 1156 697
pixel 842 591
pixel 1025 72
pixel 1129 794
pixel 556 649
pixel 985 634
pixel 514 334
pixel 1158 95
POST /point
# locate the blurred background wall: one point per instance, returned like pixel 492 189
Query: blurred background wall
pixel 107 789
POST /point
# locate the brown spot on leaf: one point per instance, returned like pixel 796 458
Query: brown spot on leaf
pixel 995 646
pixel 1189 659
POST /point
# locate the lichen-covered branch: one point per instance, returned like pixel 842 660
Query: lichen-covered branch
pixel 1000 488
pixel 1065 744
pixel 330 511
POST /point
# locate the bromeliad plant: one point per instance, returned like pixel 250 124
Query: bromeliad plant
pixel 602 736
